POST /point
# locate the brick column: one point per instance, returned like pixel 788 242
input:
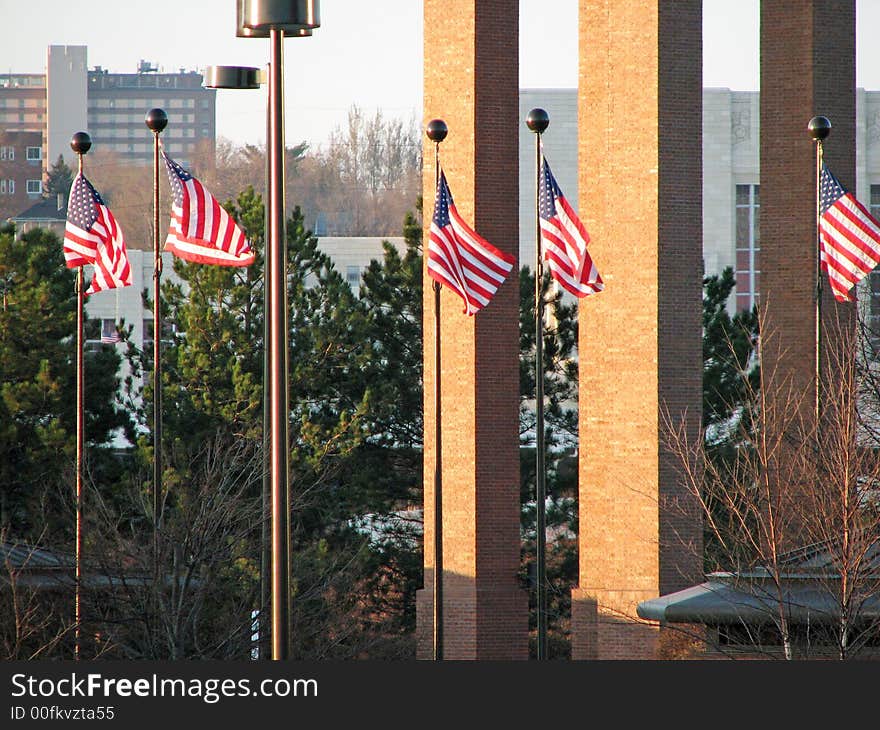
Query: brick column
pixel 471 81
pixel 807 69
pixel 640 108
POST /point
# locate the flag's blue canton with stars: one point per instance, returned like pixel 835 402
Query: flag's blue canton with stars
pixel 565 239
pixel 175 180
pixel 441 204
pixel 201 230
pixel 849 237
pixel 81 214
pixel 459 258
pixel 549 190
pixel 92 236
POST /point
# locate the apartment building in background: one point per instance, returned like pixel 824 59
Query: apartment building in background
pixel 39 112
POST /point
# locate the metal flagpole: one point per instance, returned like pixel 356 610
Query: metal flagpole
pixel 437 131
pixel 156 120
pixel 538 120
pixel 820 128
pixel 80 144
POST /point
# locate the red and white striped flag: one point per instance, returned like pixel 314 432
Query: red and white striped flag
pixel 92 236
pixel 459 258
pixel 849 237
pixel 201 230
pixel 565 240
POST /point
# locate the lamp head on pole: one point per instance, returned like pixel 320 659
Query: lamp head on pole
pixel 437 130
pixel 537 120
pixel 297 18
pixel 80 143
pixel 232 77
pixel 156 120
pixel 820 128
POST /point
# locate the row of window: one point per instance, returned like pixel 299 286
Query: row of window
pixel 33 187
pixel 105 103
pixel 143 148
pixel 31 153
pixel 21 103
pixel 10 117
pixel 748 246
pixel 123 131
pixel 136 118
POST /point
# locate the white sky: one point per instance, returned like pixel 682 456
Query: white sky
pixel 367 52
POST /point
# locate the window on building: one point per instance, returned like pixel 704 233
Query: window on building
pixel 168 330
pixel 34 187
pixel 11 187
pixel 872 312
pixel 2 153
pixel 34 153
pixel 748 246
pixel 93 333
pixel 109 333
pixel 353 277
pixel 2 187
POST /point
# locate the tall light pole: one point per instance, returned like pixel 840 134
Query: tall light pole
pixel 248 78
pixel 273 19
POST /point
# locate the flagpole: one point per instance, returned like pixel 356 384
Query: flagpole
pixel 538 120
pixel 437 131
pixel 820 128
pixel 156 120
pixel 80 144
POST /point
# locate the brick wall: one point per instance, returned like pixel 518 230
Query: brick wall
pixel 807 69
pixel 471 81
pixel 640 353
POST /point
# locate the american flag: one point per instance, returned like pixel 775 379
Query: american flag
pixel 457 257
pixel 110 339
pixel 849 237
pixel 564 240
pixel 201 230
pixel 92 236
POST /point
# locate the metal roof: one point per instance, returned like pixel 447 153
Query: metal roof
pixel 21 556
pixel 808 577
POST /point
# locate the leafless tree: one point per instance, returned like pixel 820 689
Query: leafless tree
pixel 790 515
pixel 36 605
pixel 196 600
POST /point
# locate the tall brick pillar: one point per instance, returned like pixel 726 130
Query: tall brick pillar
pixel 471 81
pixel 640 107
pixel 807 69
